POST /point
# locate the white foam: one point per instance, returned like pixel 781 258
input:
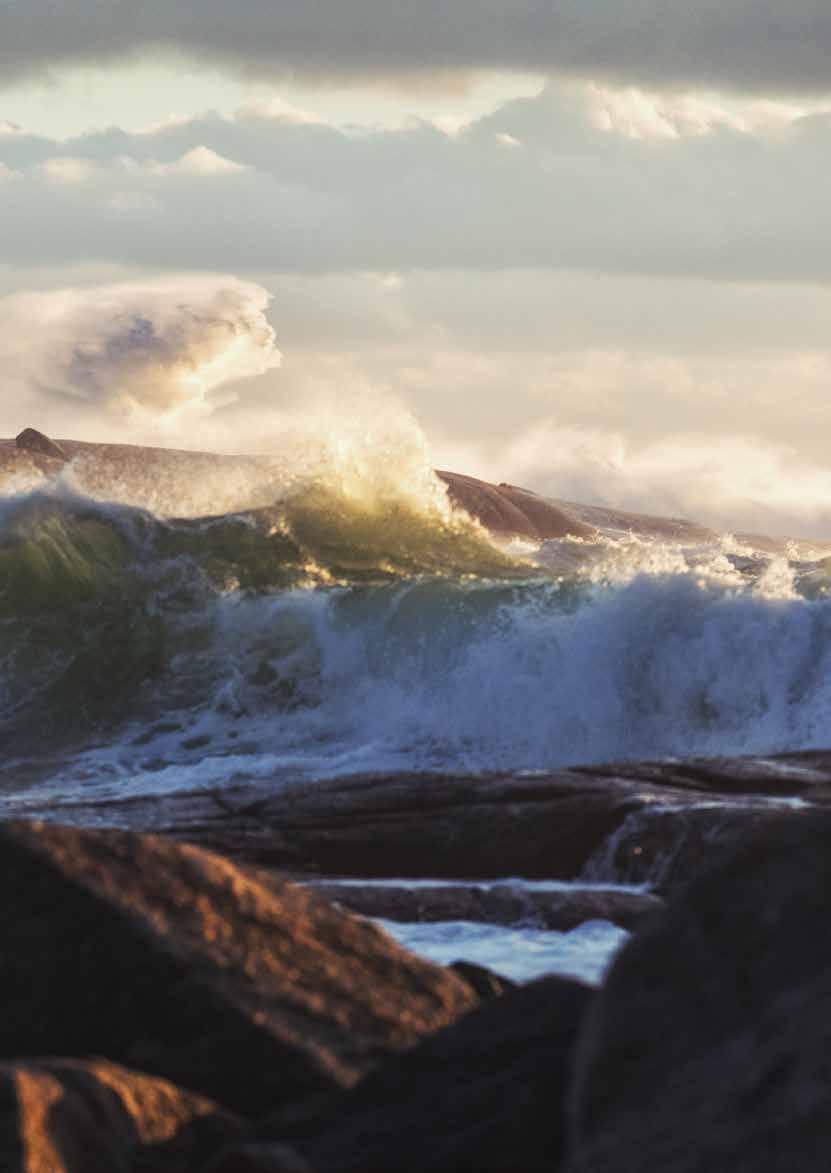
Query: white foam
pixel 518 953
pixel 426 676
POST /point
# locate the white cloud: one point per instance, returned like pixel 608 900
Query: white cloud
pixel 204 161
pixel 668 185
pixel 68 170
pixel 640 114
pixel 151 348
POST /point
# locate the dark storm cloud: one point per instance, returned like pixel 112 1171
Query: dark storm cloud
pixel 761 45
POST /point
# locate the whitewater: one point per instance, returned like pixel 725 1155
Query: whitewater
pixel 208 628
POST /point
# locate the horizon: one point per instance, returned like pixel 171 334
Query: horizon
pixel 578 252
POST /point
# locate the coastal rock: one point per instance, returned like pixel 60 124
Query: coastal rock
pixel 665 848
pixel 484 1096
pixel 30 440
pixel 500 904
pixel 256 1158
pixel 655 823
pixel 644 823
pixel 69 1116
pixel 510 511
pixel 484 981
pixel 161 956
pixel 560 825
pixel 542 826
pixel 707 1047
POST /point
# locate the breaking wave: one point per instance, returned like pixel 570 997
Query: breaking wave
pixel 329 633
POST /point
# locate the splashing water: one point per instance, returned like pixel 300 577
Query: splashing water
pixel 336 613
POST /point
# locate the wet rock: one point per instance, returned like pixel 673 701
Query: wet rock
pixel 707 1047
pixel 68 1116
pixel 804 775
pixel 666 848
pixel 485 982
pixel 30 440
pixel 653 822
pixel 484 1096
pixel 499 904
pixel 443 826
pixel 179 963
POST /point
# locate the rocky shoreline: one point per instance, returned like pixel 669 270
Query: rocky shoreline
pixel 174 1002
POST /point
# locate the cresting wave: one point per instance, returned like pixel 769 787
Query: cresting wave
pixel 326 633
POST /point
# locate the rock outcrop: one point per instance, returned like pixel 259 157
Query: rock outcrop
pixel 483 1096
pixel 707 1048
pixel 72 1116
pixel 513 512
pixel 31 440
pixel 163 957
pixel 655 823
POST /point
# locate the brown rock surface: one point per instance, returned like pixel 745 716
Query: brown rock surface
pixel 508 510
pixel 179 963
pixel 72 1116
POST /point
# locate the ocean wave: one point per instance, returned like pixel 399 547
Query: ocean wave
pixel 315 637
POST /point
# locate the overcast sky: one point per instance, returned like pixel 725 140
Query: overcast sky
pixel 587 245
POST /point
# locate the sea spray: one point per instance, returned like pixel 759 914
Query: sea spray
pixel 345 616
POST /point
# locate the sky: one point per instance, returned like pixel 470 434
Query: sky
pixel 582 246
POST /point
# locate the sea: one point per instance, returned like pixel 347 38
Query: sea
pixel 264 624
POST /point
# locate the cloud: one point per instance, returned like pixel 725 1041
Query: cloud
pixel 149 349
pixel 761 45
pixel 600 181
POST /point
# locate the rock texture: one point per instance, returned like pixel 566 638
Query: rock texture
pixel 164 957
pixel 653 822
pixel 30 440
pixel 513 512
pixel 69 1116
pixel 484 1096
pixel 708 1047
pixel 501 904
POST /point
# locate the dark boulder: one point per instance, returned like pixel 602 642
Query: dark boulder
pixel 31 440
pixel 68 1116
pixel 175 961
pixel 484 1096
pixel 707 1048
pixel 486 982
pixel 257 1158
pixel 665 847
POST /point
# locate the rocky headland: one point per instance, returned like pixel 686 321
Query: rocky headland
pixel 175 1002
